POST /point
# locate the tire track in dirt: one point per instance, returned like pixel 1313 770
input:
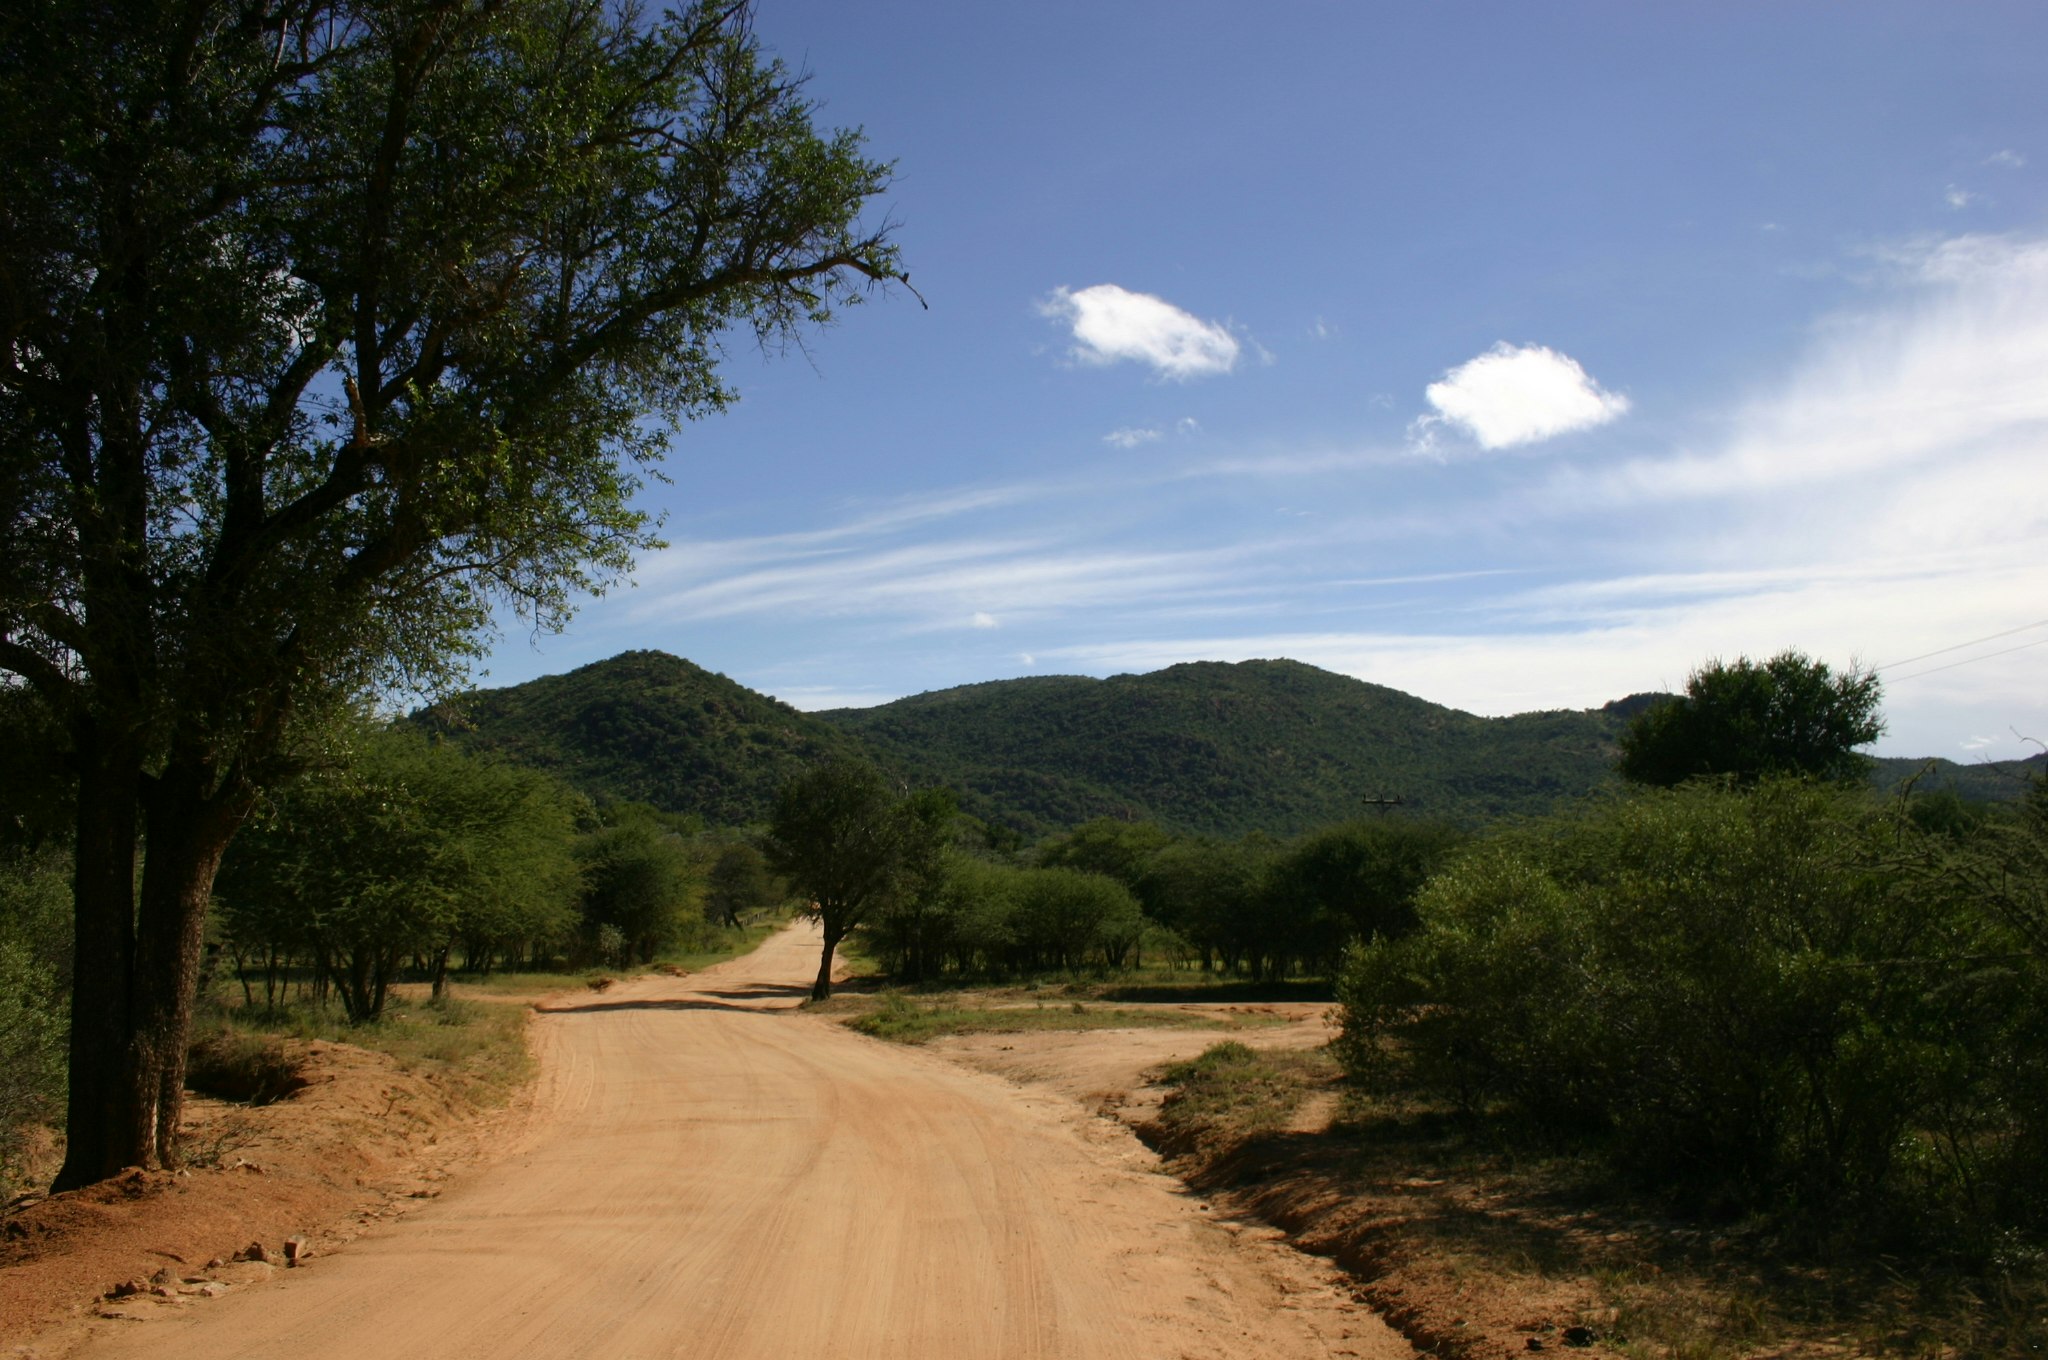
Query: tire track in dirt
pixel 705 1172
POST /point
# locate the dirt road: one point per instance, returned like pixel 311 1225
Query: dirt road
pixel 706 1173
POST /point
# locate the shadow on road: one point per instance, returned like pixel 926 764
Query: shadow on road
pixel 698 1001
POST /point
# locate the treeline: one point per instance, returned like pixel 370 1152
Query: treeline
pixel 934 894
pixel 413 857
pixel 397 857
pixel 1110 894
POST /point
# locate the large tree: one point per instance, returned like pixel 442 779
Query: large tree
pixel 326 327
pixel 1748 719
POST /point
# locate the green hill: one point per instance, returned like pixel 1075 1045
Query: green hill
pixel 1207 747
pixel 651 728
pixel 1990 782
pixel 1274 746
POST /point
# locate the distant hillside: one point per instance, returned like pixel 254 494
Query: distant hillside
pixel 1989 782
pixel 1274 746
pixel 648 727
pixel 1208 747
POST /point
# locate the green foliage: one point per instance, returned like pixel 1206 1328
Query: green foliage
pixel 1748 719
pixel 1216 749
pixel 331 329
pixel 35 957
pixel 31 1053
pixel 1782 996
pixel 1122 850
pixel 641 894
pixel 1112 768
pixel 1231 1093
pixel 1210 894
pixel 842 840
pixel 980 919
pixel 651 728
pixel 1357 880
pixel 411 849
pixel 738 883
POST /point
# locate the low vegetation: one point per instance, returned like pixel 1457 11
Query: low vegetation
pixel 1785 999
pixel 903 1020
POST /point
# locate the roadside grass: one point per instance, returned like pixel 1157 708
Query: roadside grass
pixel 472 1040
pixel 900 1019
pixel 1152 984
pixel 1439 1209
pixel 476 1048
pixel 716 945
pixel 1230 1095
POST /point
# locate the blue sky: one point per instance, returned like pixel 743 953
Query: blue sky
pixel 1517 356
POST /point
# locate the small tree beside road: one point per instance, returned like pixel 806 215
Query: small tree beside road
pixel 839 836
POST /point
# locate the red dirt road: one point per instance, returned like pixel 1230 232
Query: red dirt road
pixel 707 1173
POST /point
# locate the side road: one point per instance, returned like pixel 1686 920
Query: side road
pixel 706 1173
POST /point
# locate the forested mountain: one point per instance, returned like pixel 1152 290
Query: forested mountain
pixel 651 728
pixel 1222 748
pixel 1989 782
pixel 1206 747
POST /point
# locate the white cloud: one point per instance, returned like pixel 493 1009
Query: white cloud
pixel 983 619
pixel 2009 158
pixel 1928 415
pixel 1519 395
pixel 1112 323
pixel 1958 197
pixel 1130 437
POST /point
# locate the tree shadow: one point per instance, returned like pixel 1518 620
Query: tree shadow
pixel 732 1000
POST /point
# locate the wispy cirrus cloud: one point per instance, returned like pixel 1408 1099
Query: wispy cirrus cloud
pixel 968 581
pixel 1884 496
pixel 1928 410
pixel 1518 394
pixel 1112 324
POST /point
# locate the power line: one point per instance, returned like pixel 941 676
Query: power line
pixel 1939 651
pixel 1968 660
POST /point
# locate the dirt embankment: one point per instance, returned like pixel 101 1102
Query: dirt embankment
pixel 363 1141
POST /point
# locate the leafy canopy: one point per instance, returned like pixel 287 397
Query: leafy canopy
pixel 1749 719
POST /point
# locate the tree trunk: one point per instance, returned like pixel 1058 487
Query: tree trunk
pixel 137 957
pixel 190 822
pixel 100 1113
pixel 821 990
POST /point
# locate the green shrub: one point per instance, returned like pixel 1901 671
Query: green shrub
pixel 32 1031
pixel 1760 998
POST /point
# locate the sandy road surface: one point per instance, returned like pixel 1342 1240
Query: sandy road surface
pixel 707 1174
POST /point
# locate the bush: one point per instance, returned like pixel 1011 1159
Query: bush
pixel 35 964
pixel 1758 998
pixel 32 1031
